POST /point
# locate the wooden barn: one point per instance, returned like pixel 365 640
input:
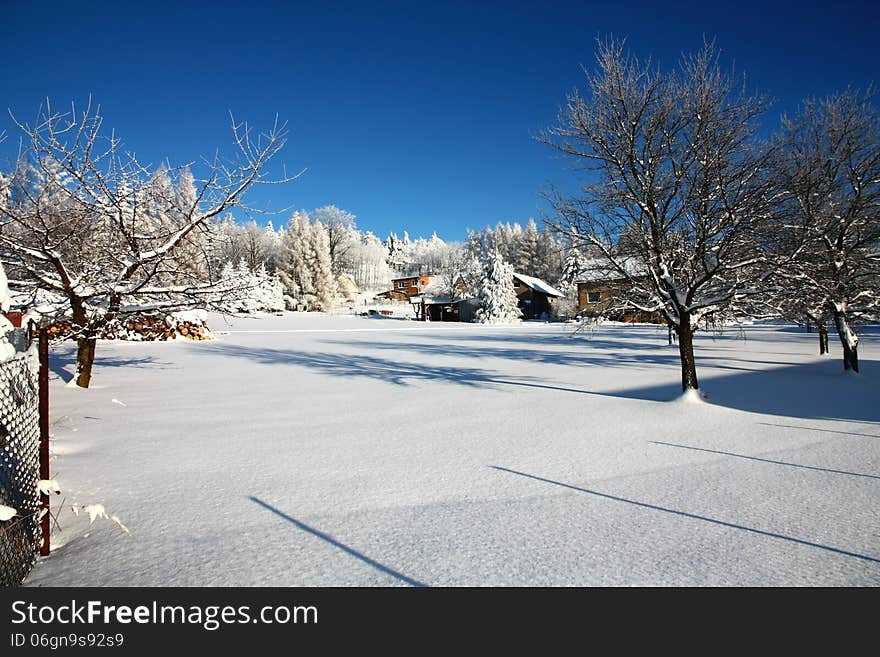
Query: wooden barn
pixel 446 309
pixel 535 296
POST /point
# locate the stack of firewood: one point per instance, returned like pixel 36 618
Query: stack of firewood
pixel 143 327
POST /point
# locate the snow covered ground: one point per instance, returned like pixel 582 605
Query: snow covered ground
pixel 316 450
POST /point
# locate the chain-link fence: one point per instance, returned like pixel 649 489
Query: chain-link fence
pixel 20 536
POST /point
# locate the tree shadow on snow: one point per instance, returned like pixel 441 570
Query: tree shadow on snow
pixel 610 354
pixel 62 362
pixel 759 459
pixel 372 367
pixel 814 390
pixel 382 568
pixel 692 516
pixel 817 390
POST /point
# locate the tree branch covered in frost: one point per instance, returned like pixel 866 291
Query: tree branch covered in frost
pixel 84 219
pixel 676 185
pixel 828 174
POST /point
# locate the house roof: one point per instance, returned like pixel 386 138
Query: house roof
pixel 597 270
pixel 429 300
pixel 409 278
pixel 538 285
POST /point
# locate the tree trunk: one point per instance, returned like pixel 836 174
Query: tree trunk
pixel 85 343
pixel 686 351
pixel 809 325
pixel 848 340
pixel 669 333
pixel 85 358
pixel 823 338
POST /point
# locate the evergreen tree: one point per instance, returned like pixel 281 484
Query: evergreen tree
pixel 293 269
pixel 497 293
pixel 527 250
pixel 321 267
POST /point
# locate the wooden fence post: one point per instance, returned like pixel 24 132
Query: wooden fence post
pixel 43 349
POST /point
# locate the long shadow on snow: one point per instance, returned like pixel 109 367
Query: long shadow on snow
pixel 769 461
pixel 817 390
pixel 604 343
pixel 371 367
pixel 691 516
pixel 61 358
pixel 789 391
pixel 529 354
pixel 651 337
pixel 337 544
pixel 605 357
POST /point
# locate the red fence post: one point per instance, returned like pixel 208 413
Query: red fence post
pixel 43 347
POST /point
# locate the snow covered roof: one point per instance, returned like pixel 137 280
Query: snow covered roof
pixel 538 285
pixel 600 269
pixel 429 299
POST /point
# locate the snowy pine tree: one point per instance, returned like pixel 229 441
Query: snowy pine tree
pixel 497 293
pixel 321 267
pixel 293 269
pixel 573 264
pixel 527 250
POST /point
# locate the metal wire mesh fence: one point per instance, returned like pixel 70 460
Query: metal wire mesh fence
pixel 20 536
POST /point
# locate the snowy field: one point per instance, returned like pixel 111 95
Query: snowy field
pixel 315 450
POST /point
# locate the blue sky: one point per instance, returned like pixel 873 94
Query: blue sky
pixel 411 115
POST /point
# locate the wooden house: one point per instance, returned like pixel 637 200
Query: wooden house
pixel 407 287
pixel 599 290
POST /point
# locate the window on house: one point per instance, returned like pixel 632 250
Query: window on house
pixel 594 297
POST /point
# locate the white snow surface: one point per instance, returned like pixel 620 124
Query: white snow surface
pixel 300 450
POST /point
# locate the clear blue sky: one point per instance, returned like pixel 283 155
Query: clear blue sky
pixel 409 114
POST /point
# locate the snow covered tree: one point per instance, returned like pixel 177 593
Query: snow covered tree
pixel 247 291
pixel 574 261
pixel 394 245
pixel 341 233
pixel 78 223
pixel 499 303
pixel 459 276
pixel 319 262
pixel 293 267
pixel 828 167
pixel 677 171
pixel 367 263
pixel 527 250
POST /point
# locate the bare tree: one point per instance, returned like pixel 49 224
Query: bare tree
pixel 828 168
pixel 86 223
pixel 675 186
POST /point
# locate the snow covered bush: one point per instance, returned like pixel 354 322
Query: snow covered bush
pixel 499 303
pixel 247 291
pixel 569 305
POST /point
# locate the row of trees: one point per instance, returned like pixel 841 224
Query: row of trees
pixel 90 233
pixel 313 249
pixel 697 218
